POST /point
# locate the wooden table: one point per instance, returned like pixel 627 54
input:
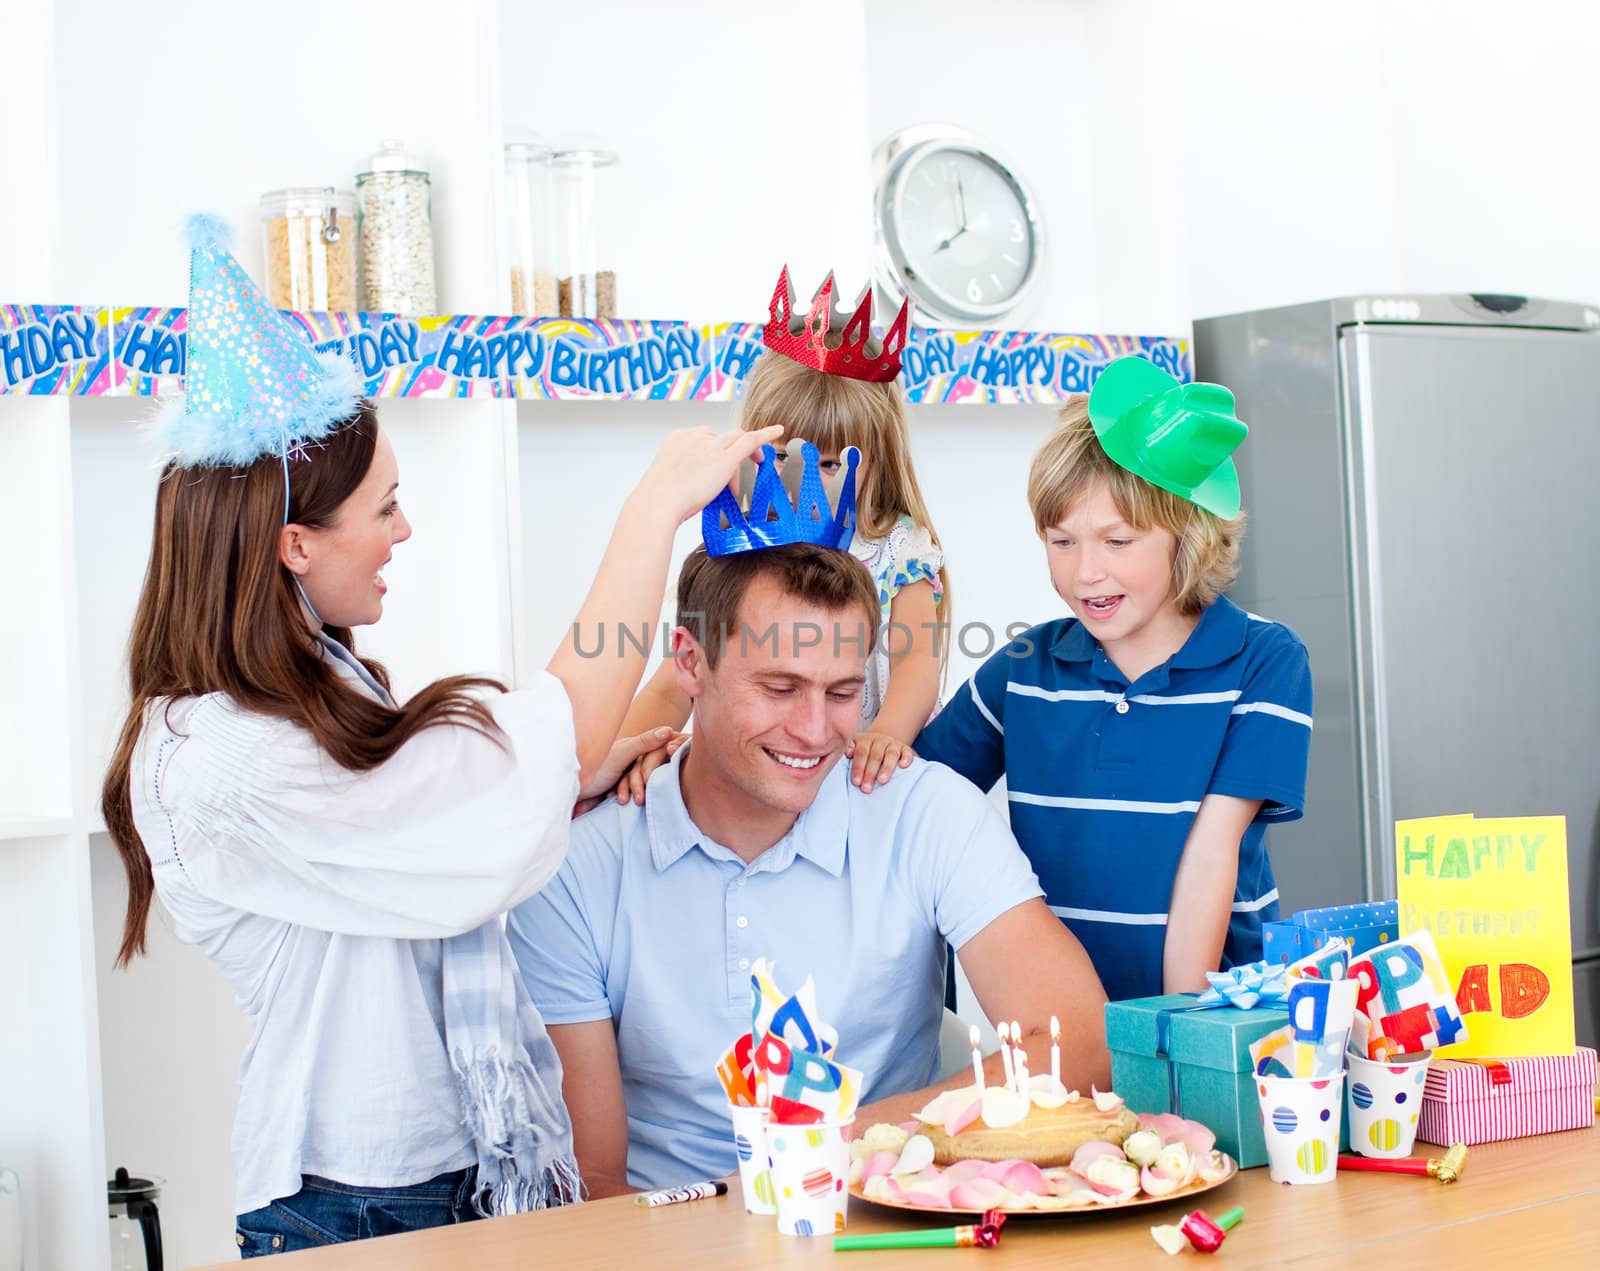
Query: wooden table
pixel 1531 1203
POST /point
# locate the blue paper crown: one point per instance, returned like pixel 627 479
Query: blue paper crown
pixel 773 519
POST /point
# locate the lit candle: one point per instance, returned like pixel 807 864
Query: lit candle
pixel 1005 1052
pixel 977 1059
pixel 1055 1050
pixel 1019 1060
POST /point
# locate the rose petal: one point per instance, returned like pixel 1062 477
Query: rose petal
pixel 1142 1146
pixel 1003 1107
pixel 884 1138
pixel 979 1194
pixel 916 1155
pixel 1213 1167
pixel 961 1118
pixel 1047 1092
pixel 1045 1201
pixel 1178 1161
pixel 1157 1182
pixel 1086 1155
pixel 1106 1100
pixel 879 1163
pixel 965 1171
pixel 1170 1239
pixel 1023 1176
pixel 1114 1177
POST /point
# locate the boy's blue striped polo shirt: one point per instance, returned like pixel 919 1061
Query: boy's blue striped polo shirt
pixel 1104 777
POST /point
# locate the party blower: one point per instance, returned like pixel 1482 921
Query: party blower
pixel 983 1235
pixel 1446 1168
pixel 1198 1231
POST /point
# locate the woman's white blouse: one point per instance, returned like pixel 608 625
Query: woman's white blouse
pixel 324 894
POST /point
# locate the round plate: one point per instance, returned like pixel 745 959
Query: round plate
pixel 1138 1202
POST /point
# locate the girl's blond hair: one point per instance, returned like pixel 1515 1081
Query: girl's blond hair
pixel 1071 460
pixel 834 411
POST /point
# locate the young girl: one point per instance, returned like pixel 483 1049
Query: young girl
pixel 343 857
pixel 894 538
pixel 1149 739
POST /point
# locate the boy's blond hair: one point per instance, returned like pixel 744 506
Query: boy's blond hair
pixel 1071 460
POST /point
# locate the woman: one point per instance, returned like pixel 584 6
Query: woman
pixel 342 857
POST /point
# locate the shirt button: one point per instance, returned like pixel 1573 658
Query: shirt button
pixel 742 921
pixel 1122 708
pixel 742 881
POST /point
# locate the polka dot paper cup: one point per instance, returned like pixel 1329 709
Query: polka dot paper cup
pixel 809 1164
pixel 1300 1121
pixel 755 1169
pixel 1385 1100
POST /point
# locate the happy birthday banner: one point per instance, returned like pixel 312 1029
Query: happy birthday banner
pixel 72 351
pixel 1493 894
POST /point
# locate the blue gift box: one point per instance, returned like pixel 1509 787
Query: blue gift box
pixel 1302 934
pixel 1168 1057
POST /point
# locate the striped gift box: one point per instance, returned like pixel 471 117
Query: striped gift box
pixel 1486 1101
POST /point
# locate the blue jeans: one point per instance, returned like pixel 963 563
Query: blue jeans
pixel 324 1212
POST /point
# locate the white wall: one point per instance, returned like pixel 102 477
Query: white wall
pixel 742 131
pixel 1193 159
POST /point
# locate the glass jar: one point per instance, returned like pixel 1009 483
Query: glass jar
pixel 586 283
pixel 310 245
pixel 533 282
pixel 396 234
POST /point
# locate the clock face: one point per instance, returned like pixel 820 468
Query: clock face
pixel 960 232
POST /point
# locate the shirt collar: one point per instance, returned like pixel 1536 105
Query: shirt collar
pixel 348 667
pixel 1218 636
pixel 819 833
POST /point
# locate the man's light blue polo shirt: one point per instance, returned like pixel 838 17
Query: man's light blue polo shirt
pixel 652 925
pixel 1104 777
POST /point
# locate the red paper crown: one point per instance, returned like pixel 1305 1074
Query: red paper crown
pixel 826 342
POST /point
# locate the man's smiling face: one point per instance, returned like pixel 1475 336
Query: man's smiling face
pixel 774 716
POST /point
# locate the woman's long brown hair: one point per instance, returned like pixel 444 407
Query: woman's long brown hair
pixel 219 613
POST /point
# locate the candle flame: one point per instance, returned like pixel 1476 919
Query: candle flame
pixel 1055 1028
pixel 973 1034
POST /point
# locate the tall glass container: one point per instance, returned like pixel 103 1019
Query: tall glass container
pixel 533 282
pixel 308 237
pixel 396 233
pixel 586 281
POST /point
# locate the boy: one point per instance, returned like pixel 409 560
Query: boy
pixel 1148 740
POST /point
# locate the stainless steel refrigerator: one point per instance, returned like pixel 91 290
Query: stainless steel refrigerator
pixel 1420 478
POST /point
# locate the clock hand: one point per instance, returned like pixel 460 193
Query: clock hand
pixel 949 240
pixel 961 193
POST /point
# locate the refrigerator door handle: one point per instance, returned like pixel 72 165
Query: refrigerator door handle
pixel 1361 512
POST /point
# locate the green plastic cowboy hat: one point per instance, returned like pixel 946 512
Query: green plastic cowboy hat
pixel 1180 437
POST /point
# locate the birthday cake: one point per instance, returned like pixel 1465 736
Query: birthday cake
pixel 1156 1155
pixel 963 1125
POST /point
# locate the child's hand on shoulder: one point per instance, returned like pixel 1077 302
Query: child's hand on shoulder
pixel 874 757
pixel 632 786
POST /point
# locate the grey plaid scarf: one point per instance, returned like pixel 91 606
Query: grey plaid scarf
pixel 507 1071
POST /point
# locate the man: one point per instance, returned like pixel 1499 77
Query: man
pixel 753 843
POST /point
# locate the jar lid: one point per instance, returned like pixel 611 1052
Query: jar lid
pixel 584 157
pixel 124 1187
pixel 306 200
pixel 392 157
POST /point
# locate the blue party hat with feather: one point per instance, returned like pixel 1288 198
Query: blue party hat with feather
pixel 253 385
